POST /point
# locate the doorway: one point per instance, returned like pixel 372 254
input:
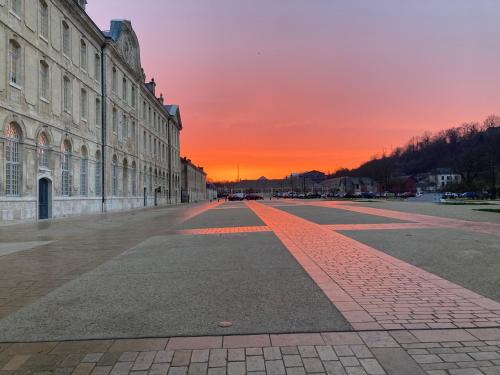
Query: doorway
pixel 44 198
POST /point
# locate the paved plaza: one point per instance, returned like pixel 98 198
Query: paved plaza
pixel 275 286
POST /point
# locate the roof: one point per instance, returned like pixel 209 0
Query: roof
pixel 173 110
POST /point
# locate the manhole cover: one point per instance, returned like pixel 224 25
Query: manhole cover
pixel 225 323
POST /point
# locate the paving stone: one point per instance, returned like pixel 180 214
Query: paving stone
pixel 101 370
pixel 495 370
pixel 166 356
pixel 475 364
pixel 108 359
pixel 236 368
pixel 334 368
pixel 417 351
pixel 355 370
pixel 404 337
pixel 16 362
pixel 439 366
pixel 372 367
pixel 443 335
pixel 272 353
pixel 143 361
pixel 326 353
pixel 292 360
pixel 313 365
pixel 178 370
pixel 361 351
pixel 396 361
pixel 275 367
pixel 73 360
pixel 83 369
pixel 217 371
pixel 468 371
pixel 289 350
pixel 378 340
pixel 485 356
pixel 341 338
pixel 128 357
pixel 343 350
pixel 198 369
pixel 457 357
pixel 121 368
pixel 142 372
pixel 255 363
pixel 181 358
pixel 442 350
pixel 159 369
pixel 247 341
pixel 200 355
pixel 426 358
pixel 236 355
pixel 307 351
pixel 254 351
pixel 295 371
pixel 349 361
pixel 92 357
pixel 218 358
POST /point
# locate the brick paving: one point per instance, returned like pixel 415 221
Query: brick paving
pixel 408 352
pixel 372 289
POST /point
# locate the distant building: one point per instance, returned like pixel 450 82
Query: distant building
pixel 193 182
pixel 441 177
pixel 350 185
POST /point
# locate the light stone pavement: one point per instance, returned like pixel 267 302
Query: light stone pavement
pixel 405 320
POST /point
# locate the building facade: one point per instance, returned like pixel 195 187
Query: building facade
pixel 80 129
pixel 194 182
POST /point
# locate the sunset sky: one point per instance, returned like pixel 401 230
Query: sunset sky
pixel 281 86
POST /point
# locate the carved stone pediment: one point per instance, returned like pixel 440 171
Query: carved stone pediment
pixel 126 43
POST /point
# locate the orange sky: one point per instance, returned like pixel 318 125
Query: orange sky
pixel 316 84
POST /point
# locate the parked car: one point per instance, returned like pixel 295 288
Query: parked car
pixel 408 194
pixel 448 195
pixel 253 197
pixel 368 195
pixel 311 195
pixel 236 197
pixel 470 195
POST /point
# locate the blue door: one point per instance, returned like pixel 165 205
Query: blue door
pixel 43 198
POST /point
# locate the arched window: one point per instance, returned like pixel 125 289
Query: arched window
pixel 98 112
pixel 134 179
pixel 15 7
pixel 98 174
pixel 84 166
pixel 43 150
pixel 150 179
pixel 133 131
pixel 114 176
pixel 125 178
pixel 84 107
pixel 83 55
pixel 114 80
pixel 67 99
pixel 133 98
pixel 44 19
pixel 97 67
pixel 125 127
pixel 66 169
pixel 124 89
pixel 14 62
pixel 13 160
pixel 66 39
pixel 44 80
pixel 115 121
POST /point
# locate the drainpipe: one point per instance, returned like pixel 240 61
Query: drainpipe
pixel 104 123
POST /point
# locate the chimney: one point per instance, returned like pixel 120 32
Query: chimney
pixel 151 86
pixel 161 98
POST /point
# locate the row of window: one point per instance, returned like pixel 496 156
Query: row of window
pixel 13 158
pixel 132 99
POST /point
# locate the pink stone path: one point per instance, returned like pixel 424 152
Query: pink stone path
pixel 372 289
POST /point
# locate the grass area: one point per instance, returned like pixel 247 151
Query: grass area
pixel 468 203
pixel 495 210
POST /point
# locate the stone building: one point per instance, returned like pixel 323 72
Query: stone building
pixel 80 129
pixel 194 182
